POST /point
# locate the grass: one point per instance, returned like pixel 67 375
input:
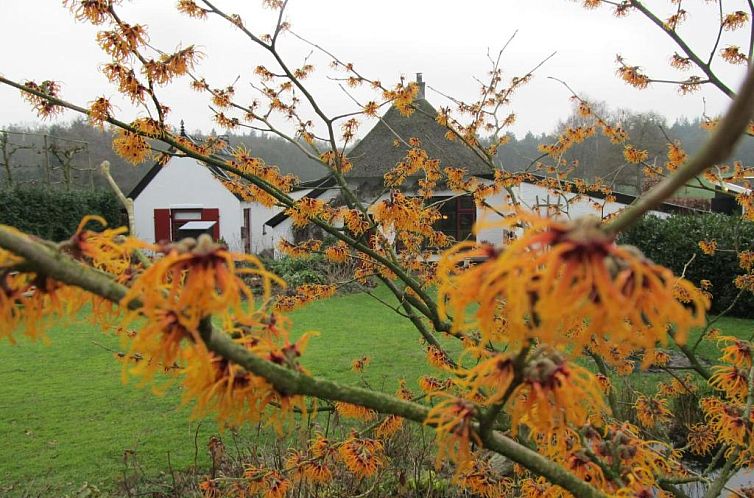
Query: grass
pixel 355 325
pixel 738 327
pixel 68 420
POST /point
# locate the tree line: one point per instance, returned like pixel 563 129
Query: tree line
pixel 26 151
pixel 599 158
pixel 27 157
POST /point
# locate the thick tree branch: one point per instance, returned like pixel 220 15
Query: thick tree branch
pixel 58 266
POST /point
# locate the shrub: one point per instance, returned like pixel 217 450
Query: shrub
pixel 315 269
pixel 672 242
pixel 299 271
pixel 52 214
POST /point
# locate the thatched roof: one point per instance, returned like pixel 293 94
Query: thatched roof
pixel 377 152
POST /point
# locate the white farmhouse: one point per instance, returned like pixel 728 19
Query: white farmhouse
pixel 387 143
pixel 185 196
pixel 183 192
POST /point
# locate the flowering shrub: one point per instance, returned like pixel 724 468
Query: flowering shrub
pixel 526 317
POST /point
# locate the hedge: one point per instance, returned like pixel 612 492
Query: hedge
pixel 52 214
pixel 672 242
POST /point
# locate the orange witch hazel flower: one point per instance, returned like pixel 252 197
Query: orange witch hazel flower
pixel 493 375
pixel 362 456
pixel 132 147
pixel 708 247
pixel 269 483
pixel 438 358
pixel 302 468
pixel 109 250
pixel 31 300
pixel 193 281
pixel 389 426
pixel 210 489
pixel 304 294
pixel 453 420
pixel 652 411
pixel 12 289
pixel 197 278
pixel 219 386
pixel 348 410
pixel 701 439
pixel 481 480
pixel 733 381
pixel 737 352
pixel 564 282
pixel 555 392
pixel 162 341
pixel 235 395
pixel 726 420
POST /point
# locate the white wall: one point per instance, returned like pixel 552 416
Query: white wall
pixel 183 182
pixel 531 196
pixel 265 237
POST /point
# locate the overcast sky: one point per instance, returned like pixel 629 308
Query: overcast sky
pixel 446 40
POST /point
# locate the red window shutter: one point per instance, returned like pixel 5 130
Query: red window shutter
pixel 161 225
pixel 213 214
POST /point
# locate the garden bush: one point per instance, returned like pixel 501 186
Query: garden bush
pixel 672 242
pixel 298 271
pixel 314 269
pixel 53 214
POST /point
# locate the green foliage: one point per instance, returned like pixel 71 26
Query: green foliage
pixel 673 242
pixel 314 269
pixel 54 215
pixel 299 271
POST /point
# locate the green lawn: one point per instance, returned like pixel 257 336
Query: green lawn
pixel 66 418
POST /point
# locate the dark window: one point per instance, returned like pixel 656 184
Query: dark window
pixel 458 215
pixel 179 217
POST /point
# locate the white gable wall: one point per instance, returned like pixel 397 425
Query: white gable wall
pixel 531 196
pixel 267 237
pixel 260 214
pixel 264 237
pixel 183 182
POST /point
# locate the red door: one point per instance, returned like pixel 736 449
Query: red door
pixel 161 225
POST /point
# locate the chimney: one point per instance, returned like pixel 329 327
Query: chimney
pixel 420 82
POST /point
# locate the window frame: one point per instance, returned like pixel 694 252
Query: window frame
pixel 456 204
